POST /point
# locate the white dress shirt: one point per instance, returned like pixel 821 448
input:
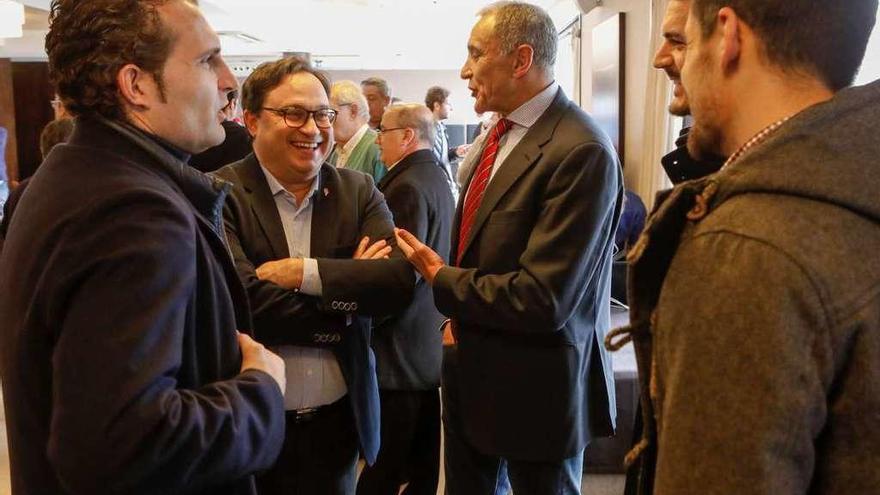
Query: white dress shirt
pixel 314 377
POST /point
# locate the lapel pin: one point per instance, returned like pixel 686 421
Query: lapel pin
pixel 326 192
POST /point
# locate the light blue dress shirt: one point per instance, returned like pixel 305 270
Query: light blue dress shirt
pixel 313 374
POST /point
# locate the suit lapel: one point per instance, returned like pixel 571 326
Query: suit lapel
pixel 324 211
pixel 263 206
pixel 520 159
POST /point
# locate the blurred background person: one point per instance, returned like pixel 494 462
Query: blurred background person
pixel 355 146
pixel 377 91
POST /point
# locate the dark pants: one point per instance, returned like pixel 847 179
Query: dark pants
pixel 319 456
pixel 470 472
pixel 410 450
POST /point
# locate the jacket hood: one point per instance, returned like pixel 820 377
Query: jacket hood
pixel 829 152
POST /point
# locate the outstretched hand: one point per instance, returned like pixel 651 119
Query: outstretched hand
pixel 423 258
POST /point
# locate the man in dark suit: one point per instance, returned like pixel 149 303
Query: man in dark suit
pixel 122 369
pixel 528 291
pixel 293 223
pixel 407 345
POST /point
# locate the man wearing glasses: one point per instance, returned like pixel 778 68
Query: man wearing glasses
pixel 310 243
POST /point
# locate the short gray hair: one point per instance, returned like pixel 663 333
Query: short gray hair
pixel 378 83
pixel 520 23
pixel 414 116
pixel 349 93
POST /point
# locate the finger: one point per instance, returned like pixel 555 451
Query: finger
pixel 406 248
pixel 383 253
pixel 410 239
pixel 375 248
pixel 361 246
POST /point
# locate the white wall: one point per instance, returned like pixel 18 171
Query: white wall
pixel 871 66
pixel 411 86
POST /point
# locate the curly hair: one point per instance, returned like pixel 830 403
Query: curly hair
pixel 89 42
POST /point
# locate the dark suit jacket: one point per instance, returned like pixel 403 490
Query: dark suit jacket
pixel 408 345
pixel 531 298
pixel 119 355
pixel 346 208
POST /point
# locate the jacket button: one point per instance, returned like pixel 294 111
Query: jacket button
pixel 354 306
pixel 335 305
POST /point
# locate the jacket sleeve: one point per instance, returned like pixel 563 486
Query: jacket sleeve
pixel 578 212
pixel 280 316
pixel 742 363
pixel 368 287
pixel 120 422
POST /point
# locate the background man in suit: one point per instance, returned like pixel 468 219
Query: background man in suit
pixel 407 345
pixel 122 368
pixel 529 289
pixel 293 224
pixel 437 101
pixel 377 91
pixel 355 142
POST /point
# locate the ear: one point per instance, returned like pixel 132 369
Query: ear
pixel 251 121
pixel 524 55
pixel 731 39
pixel 137 87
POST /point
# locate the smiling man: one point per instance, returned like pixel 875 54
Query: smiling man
pixel 757 330
pixel 122 369
pixel 294 223
pixel 528 287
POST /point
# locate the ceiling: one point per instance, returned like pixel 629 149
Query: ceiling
pixel 340 34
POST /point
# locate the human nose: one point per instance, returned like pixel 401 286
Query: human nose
pixel 663 57
pixel 226 81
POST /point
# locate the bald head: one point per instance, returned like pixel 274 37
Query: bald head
pixel 406 128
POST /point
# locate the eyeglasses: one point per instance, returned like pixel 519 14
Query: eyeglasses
pixel 296 117
pixel 383 130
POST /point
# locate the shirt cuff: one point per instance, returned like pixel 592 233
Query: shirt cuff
pixel 311 282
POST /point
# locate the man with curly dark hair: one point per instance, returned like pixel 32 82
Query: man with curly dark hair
pixel 122 368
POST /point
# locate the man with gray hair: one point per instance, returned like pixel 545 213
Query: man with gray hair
pixel 408 345
pixel 355 142
pixel 528 384
pixel 378 94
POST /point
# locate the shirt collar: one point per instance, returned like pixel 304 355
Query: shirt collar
pixel 529 112
pixel 349 146
pixel 277 188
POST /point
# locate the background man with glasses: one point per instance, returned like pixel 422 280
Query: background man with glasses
pixel 293 224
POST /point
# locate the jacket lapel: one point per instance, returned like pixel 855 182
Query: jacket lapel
pixel 324 211
pixel 263 206
pixel 520 159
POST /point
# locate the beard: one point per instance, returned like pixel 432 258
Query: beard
pixel 704 140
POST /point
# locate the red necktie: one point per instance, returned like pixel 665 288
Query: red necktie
pixel 478 184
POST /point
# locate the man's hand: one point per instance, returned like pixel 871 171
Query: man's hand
pixel 377 251
pixel 462 150
pixel 423 258
pixel 254 356
pixel 287 273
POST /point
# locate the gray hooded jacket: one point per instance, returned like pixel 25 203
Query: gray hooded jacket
pixel 756 316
